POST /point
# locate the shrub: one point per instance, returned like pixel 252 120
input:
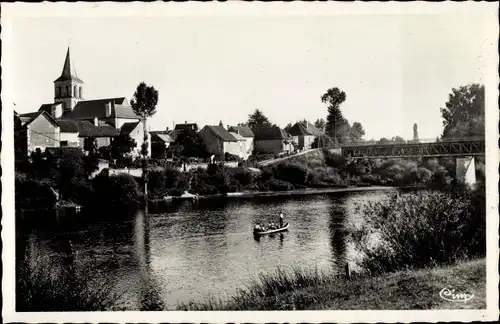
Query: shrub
pixel 412 230
pixel 231 157
pixel 157 184
pixel 121 191
pixel 32 194
pixel 291 173
pixel 334 160
pixel 279 185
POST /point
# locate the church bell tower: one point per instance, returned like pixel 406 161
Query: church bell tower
pixel 68 88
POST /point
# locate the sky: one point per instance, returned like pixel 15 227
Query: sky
pixel 396 70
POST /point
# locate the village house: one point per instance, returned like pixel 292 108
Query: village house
pixel 136 131
pixel 271 140
pixel 303 135
pixel 218 141
pixel 75 132
pixel 248 135
pixel 37 130
pixel 160 143
pixel 180 128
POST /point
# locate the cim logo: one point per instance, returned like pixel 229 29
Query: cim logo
pixel 450 295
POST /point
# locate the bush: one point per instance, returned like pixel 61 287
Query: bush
pixel 279 185
pixel 33 194
pixel 413 230
pixel 120 191
pixel 293 173
pixel 231 157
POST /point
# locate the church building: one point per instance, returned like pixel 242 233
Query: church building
pixel 95 118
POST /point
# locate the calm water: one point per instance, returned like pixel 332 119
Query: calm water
pixel 193 250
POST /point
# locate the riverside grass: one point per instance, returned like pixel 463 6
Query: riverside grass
pixel 312 290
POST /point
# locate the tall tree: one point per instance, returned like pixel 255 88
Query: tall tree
pixel 415 133
pixel 144 105
pixel 464 112
pixel 122 145
pixel 258 119
pixel 335 121
pixel 356 132
pixel 320 124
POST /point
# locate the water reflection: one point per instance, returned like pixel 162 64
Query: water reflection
pixel 183 250
pixel 337 227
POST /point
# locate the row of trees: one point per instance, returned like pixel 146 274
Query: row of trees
pixel 463 116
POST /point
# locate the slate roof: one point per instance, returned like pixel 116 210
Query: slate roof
pixel 269 133
pixel 299 130
pixel 68 126
pixel 165 138
pixel 127 128
pixel 237 136
pixel 48 107
pixel 242 130
pixel 186 125
pixel 88 109
pixel 221 132
pixel 312 129
pixel 87 129
pixel 27 118
pixel 69 71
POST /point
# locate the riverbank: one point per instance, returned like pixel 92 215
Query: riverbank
pixel 308 191
pixel 403 290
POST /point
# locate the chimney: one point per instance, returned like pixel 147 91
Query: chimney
pixel 108 109
pixel 221 124
pixel 185 122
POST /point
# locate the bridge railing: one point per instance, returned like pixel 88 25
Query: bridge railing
pixel 419 141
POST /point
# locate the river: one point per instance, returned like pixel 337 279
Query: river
pixel 190 251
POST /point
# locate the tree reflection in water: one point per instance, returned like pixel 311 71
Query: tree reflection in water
pixel 149 295
pixel 338 233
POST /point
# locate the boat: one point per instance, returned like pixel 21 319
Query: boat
pixel 282 229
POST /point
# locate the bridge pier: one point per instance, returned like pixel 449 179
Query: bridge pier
pixel 466 170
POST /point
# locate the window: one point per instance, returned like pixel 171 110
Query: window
pixel 68 93
pixel 80 92
pixel 64 143
pixel 75 93
pixel 58 91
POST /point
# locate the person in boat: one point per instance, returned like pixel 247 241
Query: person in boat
pixel 281 219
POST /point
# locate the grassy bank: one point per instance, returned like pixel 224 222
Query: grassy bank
pixel 395 291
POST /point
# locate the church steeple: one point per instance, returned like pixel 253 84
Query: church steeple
pixel 69 72
pixel 68 87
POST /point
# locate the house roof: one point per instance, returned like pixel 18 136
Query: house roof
pixel 68 126
pixel 269 133
pixel 164 137
pixel 127 128
pixel 222 133
pixel 27 118
pixel 237 136
pixel 89 109
pixel 186 125
pixel 299 130
pixel 69 71
pixel 242 130
pixel 48 107
pixel 87 129
pixel 312 129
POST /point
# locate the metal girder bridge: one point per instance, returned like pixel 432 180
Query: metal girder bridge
pixel 465 147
